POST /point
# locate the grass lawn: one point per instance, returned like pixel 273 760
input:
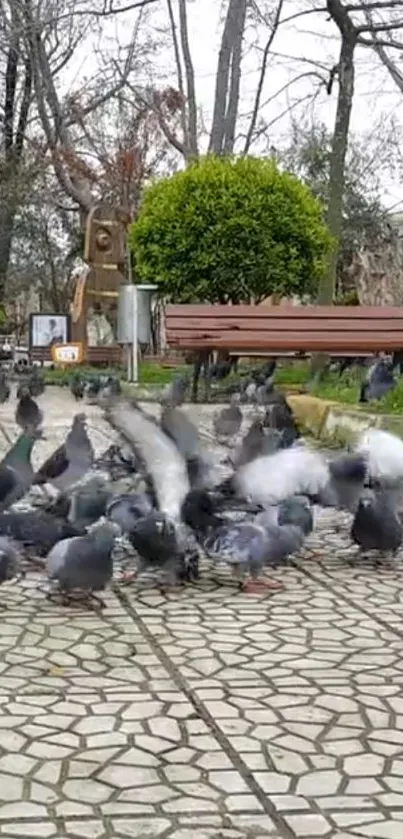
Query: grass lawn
pixel 292 374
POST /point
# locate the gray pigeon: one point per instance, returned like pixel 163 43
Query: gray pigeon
pixel 79 455
pixel 88 502
pixel 9 560
pixel 127 509
pixel 249 546
pixel 376 525
pixel 263 392
pixel 4 387
pixel 228 422
pixel 174 393
pixel 83 563
pixel 257 442
pixel 28 415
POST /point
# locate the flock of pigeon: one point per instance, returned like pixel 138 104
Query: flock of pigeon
pixel 161 495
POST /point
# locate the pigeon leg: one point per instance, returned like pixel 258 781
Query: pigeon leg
pixel 127 577
pixel 258 583
pixel 255 586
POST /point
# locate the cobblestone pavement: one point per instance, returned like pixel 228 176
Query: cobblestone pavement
pixel 206 714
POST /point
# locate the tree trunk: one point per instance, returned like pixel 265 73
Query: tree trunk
pixel 233 94
pixel 7 215
pixel 222 79
pixel 337 164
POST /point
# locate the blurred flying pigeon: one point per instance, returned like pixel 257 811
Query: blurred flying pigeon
pixel 84 563
pixel 28 416
pixel 376 524
pixel 383 452
pixel 178 427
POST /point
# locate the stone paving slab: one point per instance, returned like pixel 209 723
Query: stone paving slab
pixel 208 713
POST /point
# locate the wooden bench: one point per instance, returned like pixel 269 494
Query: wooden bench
pixel 336 330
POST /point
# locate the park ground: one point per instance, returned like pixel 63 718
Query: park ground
pixel 205 714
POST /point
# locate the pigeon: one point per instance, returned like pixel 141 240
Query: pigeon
pixel 5 389
pixel 77 387
pixel 118 461
pixel 249 547
pixel 28 415
pixel 271 479
pixel 178 427
pixel 155 539
pixel 88 502
pixel 70 462
pixel 16 472
pixel 174 393
pixel 125 510
pixel 163 461
pixel 35 530
pixel 264 392
pixel 376 525
pixel 279 415
pixel 383 452
pixel 256 443
pixel 110 388
pixel 379 381
pixel 347 477
pixel 10 560
pixel 228 422
pixel 83 563
pixel 35 383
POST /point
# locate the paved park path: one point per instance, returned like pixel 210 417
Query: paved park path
pixel 207 714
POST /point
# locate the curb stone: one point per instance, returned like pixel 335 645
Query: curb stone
pixel 332 421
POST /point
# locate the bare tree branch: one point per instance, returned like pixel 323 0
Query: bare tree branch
pixel 179 75
pixel 262 76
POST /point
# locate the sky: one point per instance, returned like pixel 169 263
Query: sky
pixel 377 99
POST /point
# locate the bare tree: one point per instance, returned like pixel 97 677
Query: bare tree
pixel 184 133
pixel 16 96
pixel 59 118
pixel 353 28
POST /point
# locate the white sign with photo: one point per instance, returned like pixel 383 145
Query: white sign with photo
pixel 48 330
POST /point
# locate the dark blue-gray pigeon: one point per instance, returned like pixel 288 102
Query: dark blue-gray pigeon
pixel 376 525
pixel 379 381
pixel 28 415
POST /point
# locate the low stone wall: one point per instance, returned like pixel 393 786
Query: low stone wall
pixel 332 421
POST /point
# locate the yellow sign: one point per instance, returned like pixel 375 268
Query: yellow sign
pixel 67 353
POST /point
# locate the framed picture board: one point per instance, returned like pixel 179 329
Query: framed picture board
pixel 48 328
